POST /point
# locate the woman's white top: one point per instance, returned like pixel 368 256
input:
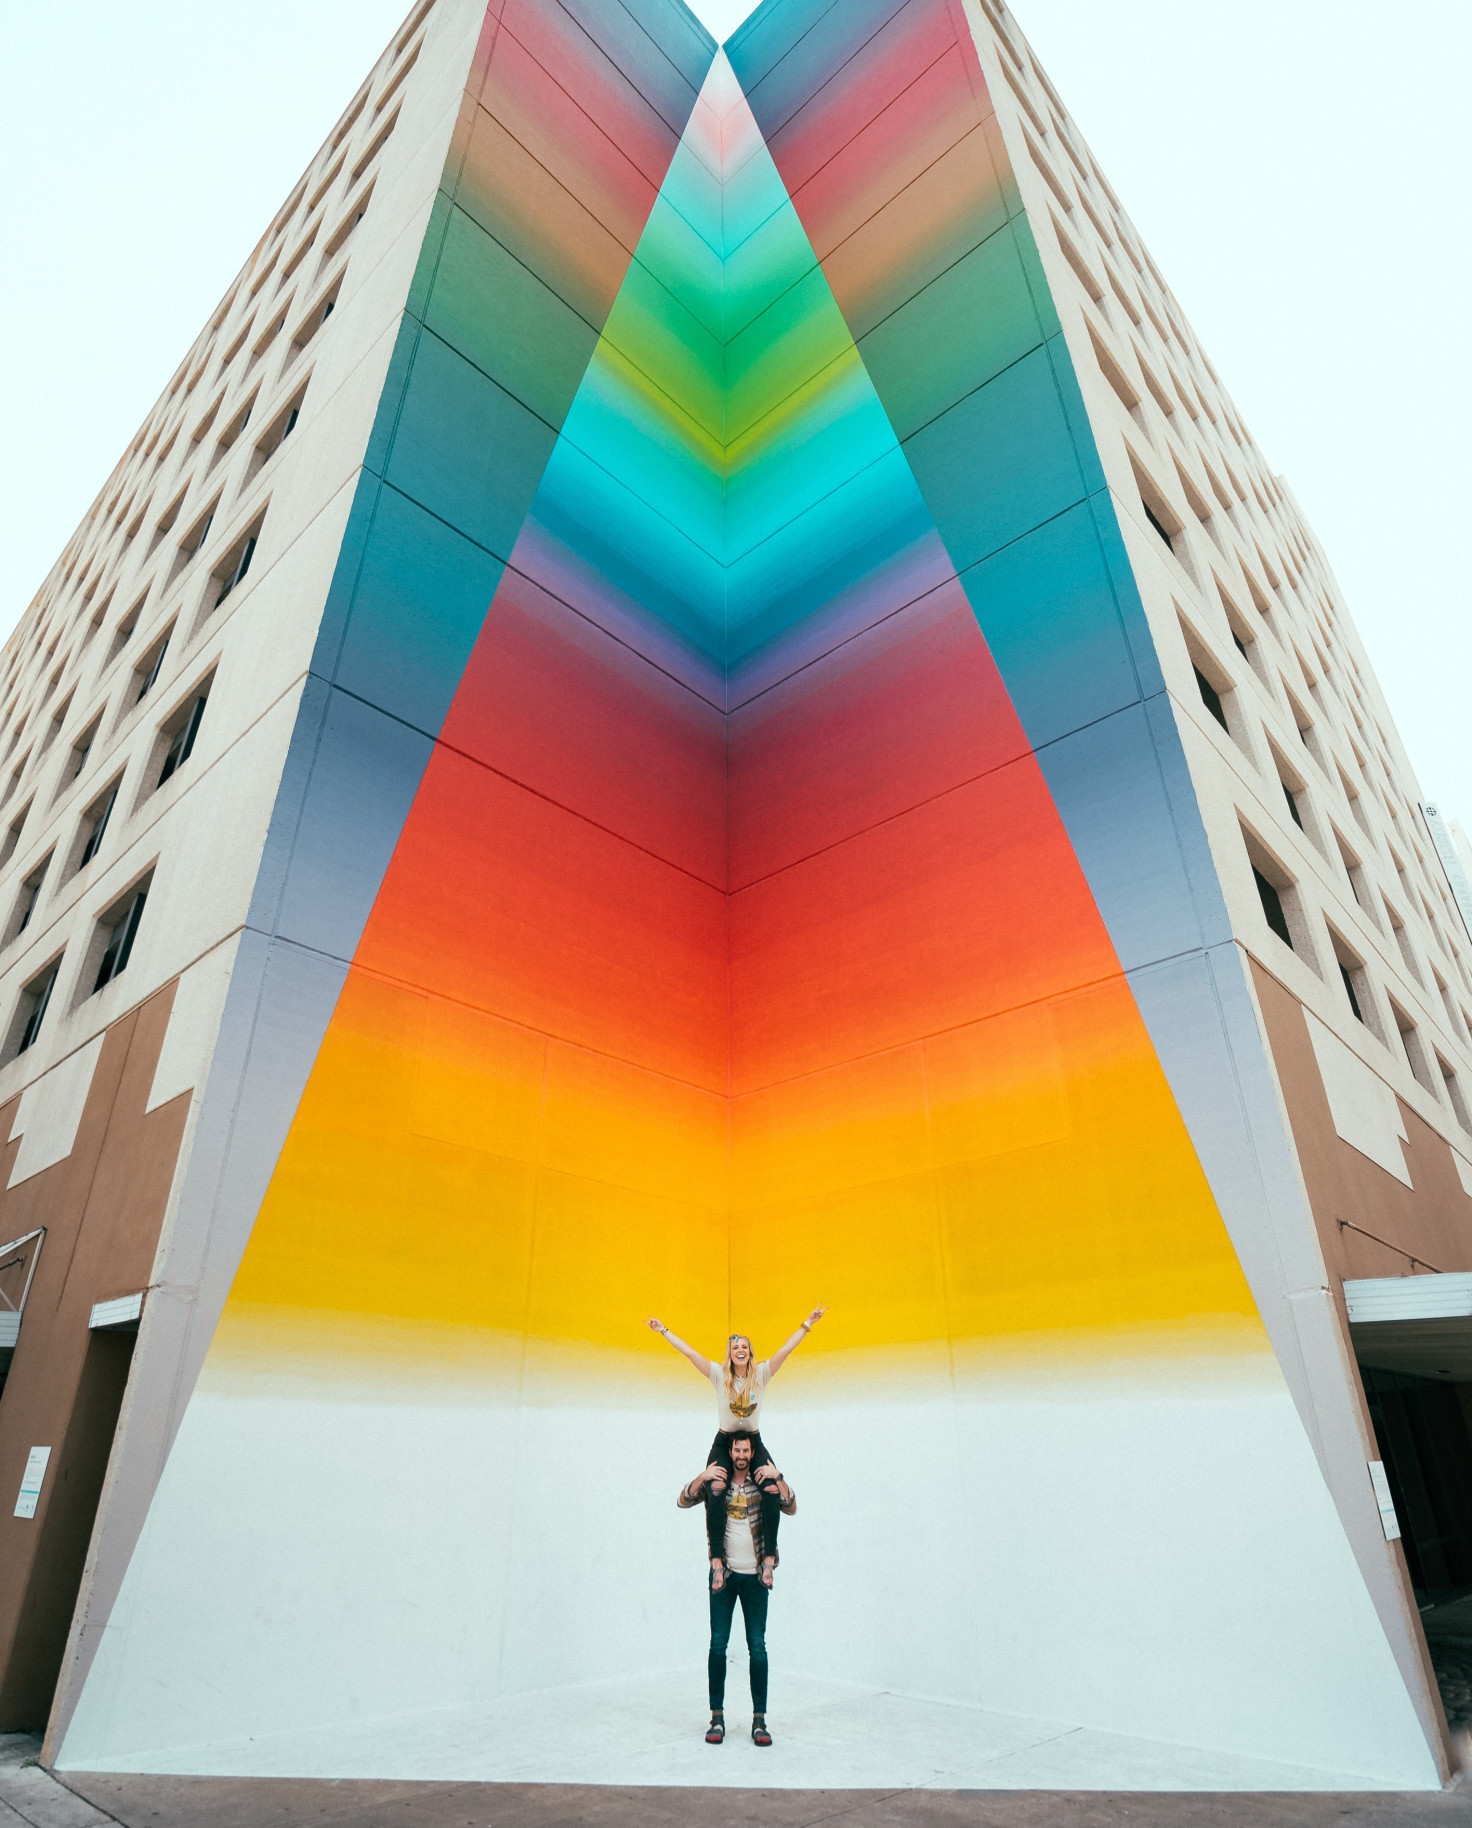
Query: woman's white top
pixel 747 1412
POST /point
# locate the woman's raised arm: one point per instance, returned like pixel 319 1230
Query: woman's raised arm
pixel 702 1365
pixel 789 1346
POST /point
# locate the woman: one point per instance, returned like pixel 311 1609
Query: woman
pixel 740 1384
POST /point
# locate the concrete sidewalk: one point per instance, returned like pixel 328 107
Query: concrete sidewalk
pixel 30 1796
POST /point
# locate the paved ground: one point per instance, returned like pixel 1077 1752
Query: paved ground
pixel 31 1798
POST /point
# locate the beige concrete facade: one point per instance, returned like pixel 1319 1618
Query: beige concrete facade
pixel 257 438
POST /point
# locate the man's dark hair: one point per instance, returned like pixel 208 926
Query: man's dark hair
pixel 741 1434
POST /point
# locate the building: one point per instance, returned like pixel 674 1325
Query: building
pixel 696 700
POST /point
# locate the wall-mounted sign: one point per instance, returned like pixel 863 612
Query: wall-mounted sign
pixel 30 1485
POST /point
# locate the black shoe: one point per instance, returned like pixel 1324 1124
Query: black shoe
pixel 716 1731
pixel 759 1730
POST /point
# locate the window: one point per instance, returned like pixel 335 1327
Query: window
pixel 1272 907
pixel 268 336
pixel 125 628
pixel 1355 876
pixel 280 429
pixel 181 731
pixel 198 533
pixel 1402 939
pixel 30 894
pixel 147 670
pixel 94 824
pixel 53 729
pixel 375 146
pixel 12 836
pixel 1278 898
pixel 314 320
pixel 33 1001
pixel 1454 1093
pixel 81 749
pixel 232 431
pixel 1410 1042
pixel 1304 724
pixel 1356 984
pixel 234 567
pixel 1211 698
pixel 1158 511
pixel 119 928
pixel 355 213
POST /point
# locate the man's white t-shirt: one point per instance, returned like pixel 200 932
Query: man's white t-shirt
pixel 749 1390
pixel 743 1503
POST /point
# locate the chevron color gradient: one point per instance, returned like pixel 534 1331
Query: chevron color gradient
pixel 738 811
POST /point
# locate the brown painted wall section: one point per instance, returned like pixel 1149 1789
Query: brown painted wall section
pixel 103 1207
pixel 1432 1221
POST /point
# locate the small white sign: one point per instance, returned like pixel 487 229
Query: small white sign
pixel 1388 1520
pixel 30 1485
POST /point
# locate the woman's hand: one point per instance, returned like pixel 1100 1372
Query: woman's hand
pixel 816 1315
pixel 656 1325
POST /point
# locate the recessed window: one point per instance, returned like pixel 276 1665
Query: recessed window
pixel 227 439
pixel 53 729
pixel 233 567
pixel 94 824
pixel 1355 984
pixel 1455 1095
pixel 82 749
pixel 181 730
pixel 268 336
pixel 1277 895
pixel 12 836
pixel 1403 940
pixel 314 320
pixel 1356 876
pixel 1272 907
pixel 147 670
pixel 1415 1054
pixel 34 1000
pixel 28 899
pixel 124 632
pixel 280 428
pixel 375 145
pixel 1211 698
pixel 356 211
pixel 198 533
pixel 117 930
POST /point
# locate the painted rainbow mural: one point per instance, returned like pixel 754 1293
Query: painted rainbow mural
pixel 731 783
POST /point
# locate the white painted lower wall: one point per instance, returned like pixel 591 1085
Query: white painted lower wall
pixel 1136 1562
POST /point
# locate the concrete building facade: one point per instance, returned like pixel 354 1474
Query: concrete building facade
pixel 695 700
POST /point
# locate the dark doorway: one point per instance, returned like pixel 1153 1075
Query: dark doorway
pixel 1422 1429
pixel 70 1510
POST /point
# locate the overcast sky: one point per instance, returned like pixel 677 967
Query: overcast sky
pixel 1298 168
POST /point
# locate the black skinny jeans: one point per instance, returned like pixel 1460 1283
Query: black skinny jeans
pixel 753 1597
pixel 715 1507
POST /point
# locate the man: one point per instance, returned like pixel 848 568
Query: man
pixel 744 1573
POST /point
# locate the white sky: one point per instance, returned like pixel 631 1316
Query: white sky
pixel 1298 168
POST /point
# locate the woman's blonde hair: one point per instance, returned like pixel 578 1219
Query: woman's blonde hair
pixel 732 1397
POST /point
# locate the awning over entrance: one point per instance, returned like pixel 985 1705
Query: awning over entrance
pixel 1419 1325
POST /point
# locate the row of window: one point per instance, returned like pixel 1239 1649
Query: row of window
pixel 82 569
pixel 109 949
pixel 1284 914
pixel 1218 693
pixel 172 747
pixel 226 574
